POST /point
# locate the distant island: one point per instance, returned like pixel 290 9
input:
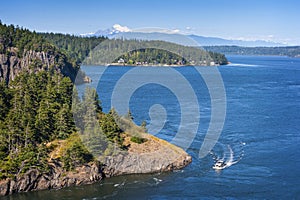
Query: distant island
pixel 151 53
pixel 290 51
pixel 159 57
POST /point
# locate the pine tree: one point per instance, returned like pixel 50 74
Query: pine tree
pixel 44 121
pixel 64 122
pixel 5 98
pixel 48 108
pixel 77 111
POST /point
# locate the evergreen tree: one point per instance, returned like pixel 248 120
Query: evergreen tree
pixel 110 127
pixel 44 121
pixel 64 123
pixel 5 98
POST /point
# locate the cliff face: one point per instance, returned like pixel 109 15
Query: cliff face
pixel 11 65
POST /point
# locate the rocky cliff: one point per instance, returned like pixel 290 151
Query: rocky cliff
pixel 32 61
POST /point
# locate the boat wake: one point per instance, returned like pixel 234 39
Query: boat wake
pixel 228 158
pixel 241 65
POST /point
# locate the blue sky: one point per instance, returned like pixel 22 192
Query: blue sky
pixel 235 19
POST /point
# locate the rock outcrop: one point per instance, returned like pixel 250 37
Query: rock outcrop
pixel 55 179
pixel 32 61
pixel 155 155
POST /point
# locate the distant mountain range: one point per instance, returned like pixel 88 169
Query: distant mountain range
pixel 118 31
pixel 214 41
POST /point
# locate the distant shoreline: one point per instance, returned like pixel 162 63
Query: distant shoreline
pixel 289 51
pixel 145 65
pixel 151 65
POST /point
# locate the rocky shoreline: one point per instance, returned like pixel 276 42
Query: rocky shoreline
pixel 157 156
pixel 57 178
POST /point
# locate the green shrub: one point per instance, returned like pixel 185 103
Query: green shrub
pixel 138 140
pixel 75 153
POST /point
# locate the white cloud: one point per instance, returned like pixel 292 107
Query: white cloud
pixel 120 28
pixel 175 31
pixel 156 30
pixel 87 34
pixel 267 38
pixel 168 31
pixel 188 30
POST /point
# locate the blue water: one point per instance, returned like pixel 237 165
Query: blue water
pixel 261 127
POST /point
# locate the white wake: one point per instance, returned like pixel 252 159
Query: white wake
pixel 228 159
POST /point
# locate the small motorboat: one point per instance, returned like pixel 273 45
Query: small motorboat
pixel 220 164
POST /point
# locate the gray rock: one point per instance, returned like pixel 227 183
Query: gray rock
pixel 32 61
pixel 57 178
pixel 4 187
pixel 166 158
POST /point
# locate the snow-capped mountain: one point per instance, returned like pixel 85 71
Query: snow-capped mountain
pixel 115 29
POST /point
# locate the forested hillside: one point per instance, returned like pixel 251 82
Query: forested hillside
pixel 78 48
pixel 37 128
pixel 35 100
pixel 152 56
